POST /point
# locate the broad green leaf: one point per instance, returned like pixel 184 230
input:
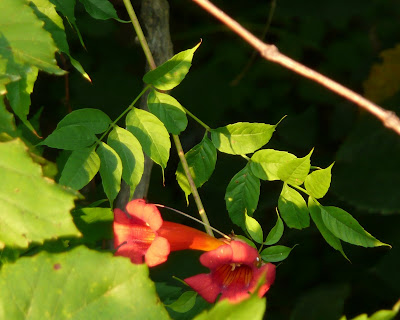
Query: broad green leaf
pixel 201 160
pixel 93 119
pixel 80 168
pixel 275 253
pixel 33 208
pixel 184 303
pixel 168 110
pixel 131 154
pixel 276 232
pixel 34 48
pixel 100 9
pixel 346 228
pixel 242 196
pixel 265 163
pixel 295 171
pixel 94 223
pixel 242 137
pixel 254 229
pixel 172 72
pixel 110 170
pixel 72 137
pixel 151 133
pixel 7 123
pixel 384 315
pixel 252 308
pixel 78 284
pixel 318 182
pixel 293 208
pixel 7 74
pixel 329 237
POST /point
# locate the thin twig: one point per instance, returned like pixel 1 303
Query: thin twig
pixel 271 53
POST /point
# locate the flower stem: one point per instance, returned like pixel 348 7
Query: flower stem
pixel 197 120
pixel 300 188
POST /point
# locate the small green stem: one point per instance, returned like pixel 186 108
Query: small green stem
pixel 245 157
pixel 197 120
pixel 300 188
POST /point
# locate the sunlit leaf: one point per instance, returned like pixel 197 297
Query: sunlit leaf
pixel 80 168
pixel 265 163
pixel 295 171
pixel 318 182
pixel 131 154
pixel 242 137
pixel 275 253
pixel 93 119
pixel 168 110
pixel 293 208
pixel 254 229
pixel 71 137
pixel 276 232
pixel 184 303
pixel 33 208
pixel 78 284
pixel 172 72
pixel 242 196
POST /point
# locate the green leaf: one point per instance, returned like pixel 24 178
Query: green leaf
pixel 72 137
pixel 293 208
pixel 254 229
pixel 100 9
pixel 172 72
pixel 110 170
pixel 275 253
pixel 295 171
pixel 252 308
pixel 384 315
pixel 184 303
pixel 242 137
pixel 151 133
pixel 315 212
pixel 93 119
pixel 7 123
pixel 346 228
pixel 265 163
pixel 78 284
pixel 33 208
pixel 242 196
pixel 168 110
pixel 318 182
pixel 276 232
pixel 131 154
pixel 94 223
pixel 80 168
pixel 201 160
pixel 34 48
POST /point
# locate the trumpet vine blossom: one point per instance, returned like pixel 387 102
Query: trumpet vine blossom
pixel 235 270
pixel 141 234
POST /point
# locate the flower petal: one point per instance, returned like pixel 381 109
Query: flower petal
pixel 146 212
pixel 213 259
pixel 158 252
pixel 268 271
pixel 204 286
pixel 132 252
pixel 243 253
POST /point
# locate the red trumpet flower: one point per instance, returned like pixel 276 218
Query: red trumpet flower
pixel 234 272
pixel 142 233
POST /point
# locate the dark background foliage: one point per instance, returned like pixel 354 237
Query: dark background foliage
pixel 341 39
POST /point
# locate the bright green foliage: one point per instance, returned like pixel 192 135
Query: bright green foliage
pixel 275 253
pixel 80 168
pixel 253 307
pixel 265 163
pixel 79 284
pixel 254 229
pixel 242 137
pixel 329 237
pixel 346 228
pixel 33 208
pixel 293 208
pixel 168 110
pixel 71 137
pixel 318 182
pixel 295 171
pixel 276 232
pixel 100 9
pixel 7 124
pixel 130 151
pixel 93 119
pixel 110 170
pixel 151 133
pixel 379 315
pixel 172 72
pixel 242 196
pixel 184 303
pixel 201 160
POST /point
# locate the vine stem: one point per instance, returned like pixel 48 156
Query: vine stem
pixel 271 53
pixel 181 154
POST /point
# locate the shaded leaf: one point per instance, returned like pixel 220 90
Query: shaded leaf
pixel 275 253
pixel 293 208
pixel 71 137
pixel 295 171
pixel 242 137
pixel 93 119
pixel 254 229
pixel 7 123
pixel 100 9
pixel 318 182
pixel 184 303
pixel 33 208
pixel 265 163
pixel 276 232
